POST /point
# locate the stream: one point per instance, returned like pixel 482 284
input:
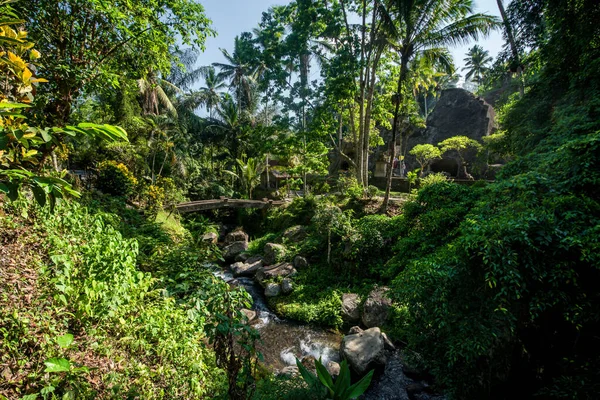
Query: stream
pixel 283 341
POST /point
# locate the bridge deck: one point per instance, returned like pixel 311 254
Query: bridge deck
pixel 227 203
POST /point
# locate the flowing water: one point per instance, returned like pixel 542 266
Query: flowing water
pixel 283 341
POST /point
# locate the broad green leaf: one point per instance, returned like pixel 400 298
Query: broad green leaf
pixel 308 376
pixel 343 380
pixel 359 387
pixel 39 195
pixel 57 365
pixel 323 374
pixel 14 105
pixel 65 340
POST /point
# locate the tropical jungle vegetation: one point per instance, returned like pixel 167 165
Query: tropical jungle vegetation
pixel 109 121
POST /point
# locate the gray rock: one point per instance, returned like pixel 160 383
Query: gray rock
pixel 236 236
pixel 300 262
pixel 290 370
pixel 457 112
pixel 272 290
pixel 210 237
pixel 248 268
pixel 242 257
pixel 275 271
pixel 287 286
pixel 333 368
pixel 249 314
pixel 273 253
pixel 355 329
pixel 364 350
pixel 232 250
pixel 376 309
pixel 350 307
pixel 295 234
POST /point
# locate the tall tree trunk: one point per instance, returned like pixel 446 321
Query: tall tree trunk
pixel 513 45
pixel 267 169
pixel 401 79
pixel 360 173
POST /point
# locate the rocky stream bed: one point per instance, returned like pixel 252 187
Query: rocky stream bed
pixel 282 341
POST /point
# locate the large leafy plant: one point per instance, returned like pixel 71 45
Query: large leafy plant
pixel 24 149
pixel 342 388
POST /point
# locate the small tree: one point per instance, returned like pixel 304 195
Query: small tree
pixel 425 154
pixel 250 172
pixel 331 219
pixel 460 144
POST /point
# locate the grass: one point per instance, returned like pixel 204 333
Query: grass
pixel 170 222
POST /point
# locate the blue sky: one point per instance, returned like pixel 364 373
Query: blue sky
pixel 232 17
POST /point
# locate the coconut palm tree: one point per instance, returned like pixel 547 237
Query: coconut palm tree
pixel 153 93
pixel 426 28
pixel 476 64
pixel 227 124
pixel 241 75
pixel 249 174
pixel 210 94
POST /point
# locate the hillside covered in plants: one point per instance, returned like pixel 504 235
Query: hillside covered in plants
pixel 333 206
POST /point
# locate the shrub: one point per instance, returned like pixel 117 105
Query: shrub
pixel 372 191
pixel 155 198
pixel 437 177
pixel 114 178
pixel 350 188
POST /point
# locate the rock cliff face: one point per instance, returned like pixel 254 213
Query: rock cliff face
pixel 457 112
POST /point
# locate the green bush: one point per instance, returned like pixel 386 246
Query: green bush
pixel 312 305
pixel 436 177
pixel 350 188
pixel 299 212
pixel 150 323
pixel 114 178
pixel 371 243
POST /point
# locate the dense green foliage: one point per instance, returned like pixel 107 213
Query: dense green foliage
pixel 110 295
pixel 90 284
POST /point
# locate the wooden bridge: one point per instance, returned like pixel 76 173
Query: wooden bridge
pixel 224 202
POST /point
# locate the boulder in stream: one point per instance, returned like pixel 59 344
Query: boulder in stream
pixel 364 350
pixel 272 290
pixel 232 250
pixel 242 257
pixel 210 238
pixel 377 308
pixel 247 268
pixel 249 314
pixel 290 370
pixel 333 368
pixel 273 253
pixel 295 234
pixel 275 271
pixel 287 286
pixel 350 307
pixel 236 236
pixel 300 262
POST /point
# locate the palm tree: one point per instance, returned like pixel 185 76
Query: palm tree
pixel 227 124
pixel 426 27
pixel 516 59
pixel 210 95
pixel 241 75
pixel 153 93
pixel 476 64
pixel 249 175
